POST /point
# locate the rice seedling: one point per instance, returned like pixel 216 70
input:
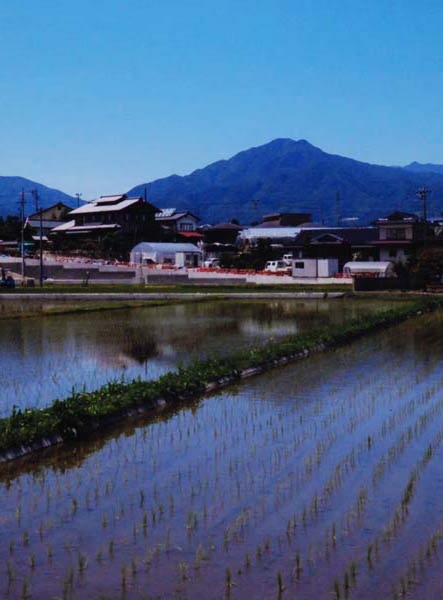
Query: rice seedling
pixel 290 473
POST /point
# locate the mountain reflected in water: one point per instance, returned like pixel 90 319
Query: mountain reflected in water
pixel 46 357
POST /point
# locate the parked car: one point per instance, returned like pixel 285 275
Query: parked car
pixel 212 263
pixel 277 266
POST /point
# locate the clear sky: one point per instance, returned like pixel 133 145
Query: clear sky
pixel 97 96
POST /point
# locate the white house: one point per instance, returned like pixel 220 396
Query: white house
pixel 176 220
pixel 160 253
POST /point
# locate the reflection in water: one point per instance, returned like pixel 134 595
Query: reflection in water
pixel 44 358
pixel 307 461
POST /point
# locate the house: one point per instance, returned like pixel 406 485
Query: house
pixel 109 214
pixel 399 235
pixel 169 254
pixel 221 239
pixel 341 243
pixel 50 217
pixel 177 221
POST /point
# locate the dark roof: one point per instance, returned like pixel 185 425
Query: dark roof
pixel 285 219
pixel 355 236
pixel 46 208
pixel 398 215
pixel 227 226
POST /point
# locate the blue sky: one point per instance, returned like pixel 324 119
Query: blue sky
pixel 97 96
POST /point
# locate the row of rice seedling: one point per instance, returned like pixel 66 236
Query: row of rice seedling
pixel 197 503
pixel 83 412
pixel 85 351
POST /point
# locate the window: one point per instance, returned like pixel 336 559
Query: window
pixel 186 227
pixel 299 265
pixel 395 233
pixel 392 253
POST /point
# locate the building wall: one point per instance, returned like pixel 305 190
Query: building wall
pixel 312 267
pixel 187 223
pixel 188 259
pixel 394 254
pixel 177 259
pixel 399 231
pixel 56 213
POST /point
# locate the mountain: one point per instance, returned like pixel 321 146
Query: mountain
pixel 416 167
pixel 291 176
pixel 10 191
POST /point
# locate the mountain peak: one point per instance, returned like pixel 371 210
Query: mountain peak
pixel 416 167
pixel 286 175
pixel 289 143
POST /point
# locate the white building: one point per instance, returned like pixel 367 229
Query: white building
pixel 159 253
pixel 369 269
pixel 314 267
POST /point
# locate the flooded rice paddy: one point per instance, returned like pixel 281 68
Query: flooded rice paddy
pixel 44 358
pixel 322 479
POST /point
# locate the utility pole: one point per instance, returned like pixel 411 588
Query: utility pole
pixel 423 195
pixel 37 209
pixel 22 217
pixel 78 196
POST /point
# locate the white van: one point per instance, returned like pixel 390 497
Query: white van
pixel 277 266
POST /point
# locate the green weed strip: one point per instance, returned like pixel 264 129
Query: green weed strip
pixel 84 413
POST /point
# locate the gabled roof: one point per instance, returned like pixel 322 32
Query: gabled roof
pixel 327 238
pixel 398 215
pixel 226 227
pixel 36 215
pixel 355 236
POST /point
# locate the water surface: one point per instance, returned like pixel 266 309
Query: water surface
pixel 44 358
pixel 327 473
